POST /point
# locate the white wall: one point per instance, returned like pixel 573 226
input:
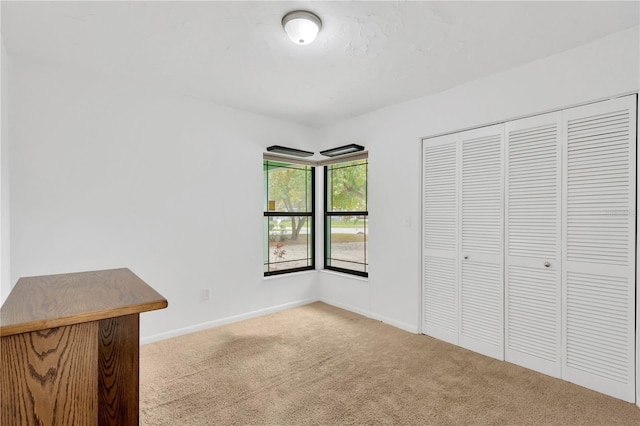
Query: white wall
pixel 107 176
pixel 5 234
pixel 605 68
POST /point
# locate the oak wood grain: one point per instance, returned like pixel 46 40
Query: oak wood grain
pixel 118 378
pixel 49 377
pixel 37 303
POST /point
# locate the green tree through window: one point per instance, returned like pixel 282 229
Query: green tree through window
pixel 288 217
pixel 346 217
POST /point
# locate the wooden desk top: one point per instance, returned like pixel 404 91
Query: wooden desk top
pixel 38 303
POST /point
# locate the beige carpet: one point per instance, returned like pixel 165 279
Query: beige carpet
pixel 319 365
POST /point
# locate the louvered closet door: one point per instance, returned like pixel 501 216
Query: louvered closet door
pixel 481 210
pixel 599 244
pixel 440 239
pixel 532 225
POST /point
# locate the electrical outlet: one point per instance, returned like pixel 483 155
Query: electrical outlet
pixel 205 294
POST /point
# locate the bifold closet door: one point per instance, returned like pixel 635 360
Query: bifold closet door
pixel 599 246
pixel 440 239
pixel 532 249
pixel 481 241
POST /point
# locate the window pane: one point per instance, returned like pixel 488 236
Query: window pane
pixel 289 243
pixel 347 186
pixel 347 237
pixel 287 187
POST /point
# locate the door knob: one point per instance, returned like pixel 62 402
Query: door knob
pixel 466 257
pixel 547 264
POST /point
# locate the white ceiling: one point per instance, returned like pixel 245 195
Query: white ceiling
pixel 367 56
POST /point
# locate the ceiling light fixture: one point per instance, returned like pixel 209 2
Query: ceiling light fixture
pixel 341 150
pixel 289 151
pixel 301 26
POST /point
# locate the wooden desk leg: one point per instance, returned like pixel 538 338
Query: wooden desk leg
pixel 118 371
pixel 49 377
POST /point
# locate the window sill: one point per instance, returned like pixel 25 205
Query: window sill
pixel 322 271
pixel 286 275
pixel 344 275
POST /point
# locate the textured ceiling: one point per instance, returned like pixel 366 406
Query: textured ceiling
pixel 367 56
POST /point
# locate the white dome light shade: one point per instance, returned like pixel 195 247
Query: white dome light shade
pixel 301 26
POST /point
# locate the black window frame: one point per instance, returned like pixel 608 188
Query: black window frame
pixel 328 215
pixel 309 215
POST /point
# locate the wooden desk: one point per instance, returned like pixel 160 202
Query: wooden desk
pixel 69 348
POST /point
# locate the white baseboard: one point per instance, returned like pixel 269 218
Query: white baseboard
pixel 266 311
pixel 411 328
pixel 223 321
